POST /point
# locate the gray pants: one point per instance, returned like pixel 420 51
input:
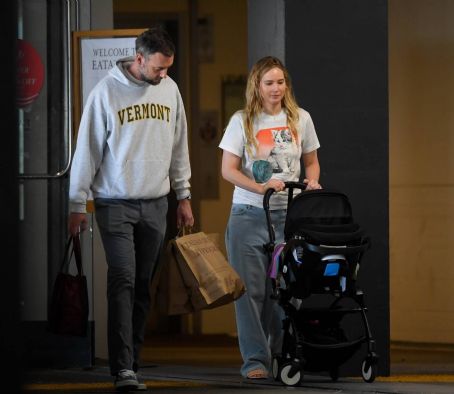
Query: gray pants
pixel 132 233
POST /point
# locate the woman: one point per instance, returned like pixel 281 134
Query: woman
pixel 262 147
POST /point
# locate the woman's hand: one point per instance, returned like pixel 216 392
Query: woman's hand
pixel 312 184
pixel 275 184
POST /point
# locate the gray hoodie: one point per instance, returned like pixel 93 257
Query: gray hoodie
pixel 132 141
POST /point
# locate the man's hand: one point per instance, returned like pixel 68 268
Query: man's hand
pixel 184 214
pixel 77 223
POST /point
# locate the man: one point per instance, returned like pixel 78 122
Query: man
pixel 131 148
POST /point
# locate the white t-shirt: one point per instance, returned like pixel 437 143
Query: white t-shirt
pixel 277 156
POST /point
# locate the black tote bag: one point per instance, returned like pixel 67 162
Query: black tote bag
pixel 68 312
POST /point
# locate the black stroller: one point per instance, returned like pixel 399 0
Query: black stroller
pixel 314 276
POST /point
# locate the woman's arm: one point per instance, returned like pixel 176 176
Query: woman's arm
pixel 311 170
pixel 231 171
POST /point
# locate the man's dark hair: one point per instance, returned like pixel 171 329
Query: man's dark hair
pixel 153 40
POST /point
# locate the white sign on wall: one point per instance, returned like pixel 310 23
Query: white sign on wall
pixel 99 56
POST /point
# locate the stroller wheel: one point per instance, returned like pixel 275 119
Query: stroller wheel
pixel 368 370
pixel 288 378
pixel 275 367
pixel 334 373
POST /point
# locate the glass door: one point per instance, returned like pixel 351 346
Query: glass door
pixel 44 115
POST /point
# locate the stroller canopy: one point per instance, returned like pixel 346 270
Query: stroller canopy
pixel 323 215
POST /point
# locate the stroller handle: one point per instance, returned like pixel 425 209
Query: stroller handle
pixel 266 206
pixel 288 185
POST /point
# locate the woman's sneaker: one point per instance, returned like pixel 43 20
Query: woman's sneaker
pixel 126 380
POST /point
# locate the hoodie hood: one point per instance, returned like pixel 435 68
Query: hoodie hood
pixel 120 73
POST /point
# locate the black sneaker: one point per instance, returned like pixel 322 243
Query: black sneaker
pixel 126 380
pixel 141 386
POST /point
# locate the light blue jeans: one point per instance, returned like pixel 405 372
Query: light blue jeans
pixel 258 317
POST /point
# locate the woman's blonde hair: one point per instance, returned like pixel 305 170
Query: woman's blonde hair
pixel 254 99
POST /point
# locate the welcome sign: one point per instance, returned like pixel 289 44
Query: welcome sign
pixel 98 56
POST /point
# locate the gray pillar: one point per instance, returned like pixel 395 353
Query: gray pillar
pixel 337 55
pixel 266 35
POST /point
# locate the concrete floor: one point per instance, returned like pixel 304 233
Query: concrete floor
pixel 211 366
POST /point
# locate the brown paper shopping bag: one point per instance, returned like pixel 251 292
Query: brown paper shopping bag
pixel 209 278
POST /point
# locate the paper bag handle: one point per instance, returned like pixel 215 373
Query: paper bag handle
pixel 184 230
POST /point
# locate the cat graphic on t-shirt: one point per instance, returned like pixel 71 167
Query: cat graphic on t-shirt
pixel 281 157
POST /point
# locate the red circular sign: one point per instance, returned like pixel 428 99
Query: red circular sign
pixel 30 74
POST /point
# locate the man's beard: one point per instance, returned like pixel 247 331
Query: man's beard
pixel 155 81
